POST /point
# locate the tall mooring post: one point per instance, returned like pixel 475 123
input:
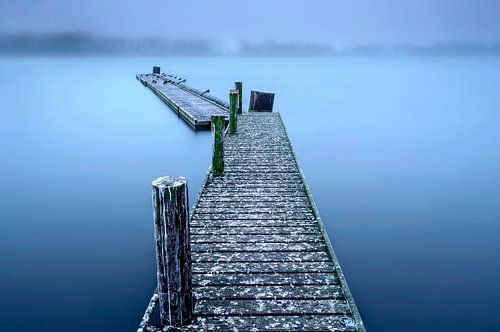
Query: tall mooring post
pixel 239 86
pixel 218 123
pixel 233 104
pixel 173 249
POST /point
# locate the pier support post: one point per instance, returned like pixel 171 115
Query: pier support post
pixel 218 123
pixel 173 249
pixel 156 70
pixel 239 86
pixel 233 104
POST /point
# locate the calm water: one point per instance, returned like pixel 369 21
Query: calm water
pixel 402 156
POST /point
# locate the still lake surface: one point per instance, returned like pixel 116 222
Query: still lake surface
pixel 402 156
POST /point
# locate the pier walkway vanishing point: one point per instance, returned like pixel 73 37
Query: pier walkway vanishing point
pixel 194 106
pixel 261 258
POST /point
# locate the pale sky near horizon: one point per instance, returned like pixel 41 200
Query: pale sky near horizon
pixel 326 21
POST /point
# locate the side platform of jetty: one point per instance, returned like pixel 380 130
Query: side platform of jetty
pixel 192 105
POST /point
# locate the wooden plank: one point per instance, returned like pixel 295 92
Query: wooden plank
pixel 285 230
pixel 267 206
pixel 273 323
pixel 252 238
pixel 272 279
pixel 220 257
pixel 300 210
pixel 263 267
pixel 273 307
pixel 209 221
pixel 303 292
pixel 237 247
pixel 252 215
pixel 250 200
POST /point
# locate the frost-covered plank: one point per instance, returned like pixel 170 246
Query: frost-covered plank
pixel 251 215
pixel 264 200
pixel 256 230
pixel 244 192
pixel 252 178
pixel 272 307
pixel 311 292
pixel 252 238
pixel 283 279
pixel 282 206
pixel 335 323
pixel 263 267
pixel 221 257
pixel 268 211
pixel 208 221
pixel 306 246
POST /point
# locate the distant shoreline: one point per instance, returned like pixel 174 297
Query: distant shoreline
pixel 84 44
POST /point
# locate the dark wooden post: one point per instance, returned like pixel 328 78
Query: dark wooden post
pixel 233 104
pixel 239 86
pixel 173 249
pixel 156 70
pixel 218 123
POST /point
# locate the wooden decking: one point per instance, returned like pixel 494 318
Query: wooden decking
pixel 262 260
pixel 195 107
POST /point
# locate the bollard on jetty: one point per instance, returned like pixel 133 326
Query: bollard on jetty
pixel 233 104
pixel 239 86
pixel 173 250
pixel 218 124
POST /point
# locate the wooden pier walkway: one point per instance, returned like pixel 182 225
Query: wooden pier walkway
pixel 262 260
pixel 193 106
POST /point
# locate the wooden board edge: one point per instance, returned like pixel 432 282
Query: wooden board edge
pixel 345 288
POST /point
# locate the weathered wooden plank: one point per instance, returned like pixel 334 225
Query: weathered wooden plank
pixel 252 215
pixel 245 192
pixel 255 230
pixel 270 177
pixel 308 246
pixel 303 292
pixel 311 256
pixel 273 307
pixel 305 211
pixel 250 200
pixel 209 221
pixel 263 267
pixel 252 238
pixel 253 183
pixel 278 207
pixel 336 323
pixel 272 279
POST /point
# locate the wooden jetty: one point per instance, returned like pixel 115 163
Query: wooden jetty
pixel 192 105
pixel 261 258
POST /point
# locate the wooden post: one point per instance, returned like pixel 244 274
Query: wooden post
pixel 156 70
pixel 233 104
pixel 173 250
pixel 218 123
pixel 239 86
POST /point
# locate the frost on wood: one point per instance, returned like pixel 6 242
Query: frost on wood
pixel 261 261
pixel 193 105
pixel 173 249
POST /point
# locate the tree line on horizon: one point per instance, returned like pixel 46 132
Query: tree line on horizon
pixel 81 43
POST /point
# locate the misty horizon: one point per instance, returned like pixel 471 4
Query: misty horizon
pixel 87 43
